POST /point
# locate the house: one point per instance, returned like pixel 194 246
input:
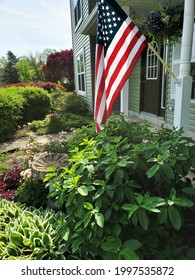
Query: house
pixel 149 94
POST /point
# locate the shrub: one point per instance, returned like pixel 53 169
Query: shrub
pixel 11 106
pixel 11 177
pixel 70 102
pixel 9 181
pixel 9 195
pixel 48 86
pixel 65 122
pixel 37 103
pixel 33 193
pixel 55 123
pixel 30 234
pixel 126 195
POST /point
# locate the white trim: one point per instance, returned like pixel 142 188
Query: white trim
pixel 152 64
pixel 79 53
pixel 81 11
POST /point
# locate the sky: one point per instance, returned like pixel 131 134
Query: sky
pixel 34 25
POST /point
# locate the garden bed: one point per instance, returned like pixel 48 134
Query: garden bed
pixel 123 196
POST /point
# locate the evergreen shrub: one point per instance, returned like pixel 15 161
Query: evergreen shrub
pixel 37 103
pixel 11 107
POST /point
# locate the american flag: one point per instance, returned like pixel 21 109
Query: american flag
pixel 119 44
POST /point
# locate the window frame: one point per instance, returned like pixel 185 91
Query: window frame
pixel 78 13
pixel 81 82
pixel 152 64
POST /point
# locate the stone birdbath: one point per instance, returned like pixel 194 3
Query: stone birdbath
pixel 40 165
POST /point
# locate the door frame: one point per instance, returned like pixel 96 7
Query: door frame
pixel 161 106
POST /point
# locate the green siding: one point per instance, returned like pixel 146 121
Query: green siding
pixel 134 88
pixel 80 42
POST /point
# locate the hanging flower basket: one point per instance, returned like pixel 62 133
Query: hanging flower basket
pixel 165 23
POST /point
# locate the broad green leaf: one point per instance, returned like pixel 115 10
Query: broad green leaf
pixel 131 208
pixel 108 214
pixel 128 254
pixel 62 248
pixel 119 176
pixel 26 242
pixel 16 238
pixel 99 193
pixel 88 206
pixel 162 216
pixel 135 220
pixel 129 194
pixel 87 218
pixel 11 251
pixel 117 229
pixel 47 240
pixel 152 171
pixel 99 219
pixel 65 233
pixel 183 202
pixel 99 183
pixel 110 246
pixel 174 217
pixel 76 244
pixel 39 225
pixel 151 203
pixel 132 244
pixel 122 163
pixel 168 170
pixel 70 197
pixel 83 190
pixel 143 219
pixel 37 242
pixel 183 149
pixel 139 198
pixel 109 170
pixel 189 190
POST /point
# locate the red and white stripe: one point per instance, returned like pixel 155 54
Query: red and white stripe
pixel 114 69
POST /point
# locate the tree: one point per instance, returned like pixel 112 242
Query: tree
pixel 10 74
pixel 25 71
pixel 59 67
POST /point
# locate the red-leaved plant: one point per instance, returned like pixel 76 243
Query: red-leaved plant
pixel 10 180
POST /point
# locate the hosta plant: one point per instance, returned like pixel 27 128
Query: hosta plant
pixel 29 234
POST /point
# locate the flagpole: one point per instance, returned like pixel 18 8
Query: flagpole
pixel 164 64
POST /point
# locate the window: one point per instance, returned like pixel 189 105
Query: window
pixel 81 72
pixel 77 11
pixel 152 64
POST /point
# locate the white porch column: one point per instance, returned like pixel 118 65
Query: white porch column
pixel 183 91
pixel 124 101
pixel 124 96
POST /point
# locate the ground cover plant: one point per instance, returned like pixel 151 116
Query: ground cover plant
pixel 29 233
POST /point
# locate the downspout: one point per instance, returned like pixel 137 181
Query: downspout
pixel 183 91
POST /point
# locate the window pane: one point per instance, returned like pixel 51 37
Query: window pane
pixel 78 65
pixel 83 82
pixel 77 11
pixel 81 63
